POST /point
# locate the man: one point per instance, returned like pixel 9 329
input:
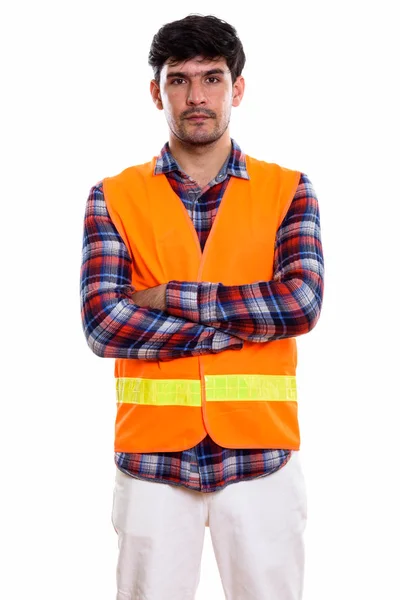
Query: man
pixel 199 269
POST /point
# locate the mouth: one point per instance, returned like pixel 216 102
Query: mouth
pixel 198 116
pixel 197 119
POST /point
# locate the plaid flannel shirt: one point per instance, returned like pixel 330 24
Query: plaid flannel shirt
pixel 201 317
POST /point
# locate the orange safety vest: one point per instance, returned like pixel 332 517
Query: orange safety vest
pixel 243 398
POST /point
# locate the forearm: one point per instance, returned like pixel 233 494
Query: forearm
pixel 124 330
pixel 267 310
pixel 287 306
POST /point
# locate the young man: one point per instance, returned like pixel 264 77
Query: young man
pixel 200 268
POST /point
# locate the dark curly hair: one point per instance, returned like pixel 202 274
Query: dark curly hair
pixel 197 35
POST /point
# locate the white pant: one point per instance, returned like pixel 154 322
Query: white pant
pixel 256 528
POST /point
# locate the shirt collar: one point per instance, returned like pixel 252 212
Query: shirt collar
pixel 234 165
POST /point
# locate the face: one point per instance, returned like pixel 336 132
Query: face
pixel 197 96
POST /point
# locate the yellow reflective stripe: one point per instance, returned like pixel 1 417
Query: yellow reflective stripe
pixel 219 388
pixel 161 392
pixel 250 387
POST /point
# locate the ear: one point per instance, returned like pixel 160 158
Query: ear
pixel 156 94
pixel 238 91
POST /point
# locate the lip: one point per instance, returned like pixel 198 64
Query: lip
pixel 197 118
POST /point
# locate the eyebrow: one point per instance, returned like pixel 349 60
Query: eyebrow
pixel 187 75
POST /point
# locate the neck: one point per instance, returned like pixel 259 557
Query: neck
pixel 201 160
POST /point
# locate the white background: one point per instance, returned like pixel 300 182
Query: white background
pixel 321 97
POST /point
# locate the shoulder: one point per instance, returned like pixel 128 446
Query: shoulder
pixel 253 163
pixel 304 188
pixel 95 204
pixel 133 172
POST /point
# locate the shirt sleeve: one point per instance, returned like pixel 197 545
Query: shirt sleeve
pixel 289 305
pixel 113 324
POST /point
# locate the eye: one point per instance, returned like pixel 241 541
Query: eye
pixel 177 81
pixel 215 79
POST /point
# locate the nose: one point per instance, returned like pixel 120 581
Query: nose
pixel 196 95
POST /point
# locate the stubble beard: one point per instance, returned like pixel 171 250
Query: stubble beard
pixel 199 138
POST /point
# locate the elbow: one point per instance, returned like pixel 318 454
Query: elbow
pixel 311 314
pixel 92 340
pixel 307 308
pixel 94 326
pixel 97 348
pixel 313 318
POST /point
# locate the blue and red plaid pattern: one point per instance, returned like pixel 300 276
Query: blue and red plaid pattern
pixel 201 317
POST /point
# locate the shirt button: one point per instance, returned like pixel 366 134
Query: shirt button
pixel 220 176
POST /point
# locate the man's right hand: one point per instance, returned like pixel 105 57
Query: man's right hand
pixel 151 298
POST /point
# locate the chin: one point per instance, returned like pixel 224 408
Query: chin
pixel 200 139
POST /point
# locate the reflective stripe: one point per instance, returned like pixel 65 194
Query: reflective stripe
pixel 219 388
pixel 161 392
pixel 250 387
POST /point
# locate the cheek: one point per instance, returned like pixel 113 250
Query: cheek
pixel 172 115
pixel 226 103
pixel 173 104
pixel 226 107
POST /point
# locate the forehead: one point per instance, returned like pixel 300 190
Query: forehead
pixel 194 66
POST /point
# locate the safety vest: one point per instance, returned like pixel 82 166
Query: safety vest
pixel 242 398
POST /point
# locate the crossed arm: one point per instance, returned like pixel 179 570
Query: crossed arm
pixel 114 325
pixel 179 319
